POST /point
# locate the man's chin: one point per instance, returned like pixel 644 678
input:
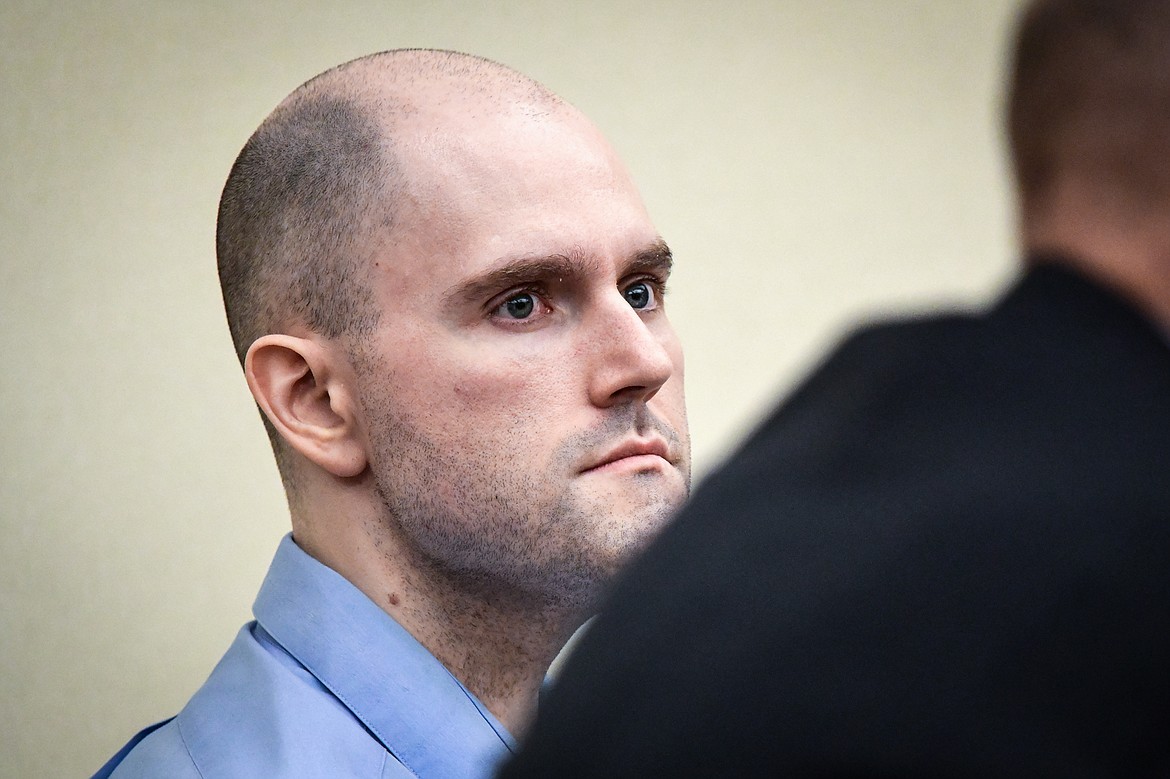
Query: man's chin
pixel 641 522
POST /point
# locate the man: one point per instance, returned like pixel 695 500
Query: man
pixel 448 301
pixel 945 554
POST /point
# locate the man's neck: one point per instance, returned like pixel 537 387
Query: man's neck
pixel 498 642
pixel 1122 245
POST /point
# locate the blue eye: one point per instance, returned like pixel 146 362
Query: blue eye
pixel 519 306
pixel 639 295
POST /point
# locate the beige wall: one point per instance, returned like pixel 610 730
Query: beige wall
pixel 810 162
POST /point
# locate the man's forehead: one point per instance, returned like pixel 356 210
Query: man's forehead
pixel 488 201
pixel 461 152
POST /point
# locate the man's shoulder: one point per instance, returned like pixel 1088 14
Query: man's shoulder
pixel 1011 404
pixel 324 683
pixel 258 714
pixel 1053 343
pixel 1049 313
pixel 873 378
pixel 159 753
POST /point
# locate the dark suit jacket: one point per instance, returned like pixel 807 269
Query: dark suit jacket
pixel 947 554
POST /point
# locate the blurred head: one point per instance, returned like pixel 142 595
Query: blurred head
pixel 449 301
pixel 1089 102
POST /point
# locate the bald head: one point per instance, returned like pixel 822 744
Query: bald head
pixel 318 185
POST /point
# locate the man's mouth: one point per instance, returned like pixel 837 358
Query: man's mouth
pixel 636 454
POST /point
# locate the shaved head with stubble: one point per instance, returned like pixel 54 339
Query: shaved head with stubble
pixel 449 302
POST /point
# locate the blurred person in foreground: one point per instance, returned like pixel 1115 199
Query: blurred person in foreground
pixel 447 298
pixel 946 554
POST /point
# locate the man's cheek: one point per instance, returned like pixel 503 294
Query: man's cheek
pixel 516 385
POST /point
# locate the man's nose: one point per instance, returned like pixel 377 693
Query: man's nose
pixel 630 357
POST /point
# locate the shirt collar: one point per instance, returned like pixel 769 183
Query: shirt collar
pixel 405 697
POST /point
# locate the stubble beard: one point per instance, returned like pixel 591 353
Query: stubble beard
pixel 489 529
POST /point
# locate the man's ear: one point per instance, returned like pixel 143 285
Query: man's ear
pixel 304 395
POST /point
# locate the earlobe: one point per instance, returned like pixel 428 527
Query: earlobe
pixel 307 400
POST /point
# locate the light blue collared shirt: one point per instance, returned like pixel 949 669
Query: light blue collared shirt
pixel 322 684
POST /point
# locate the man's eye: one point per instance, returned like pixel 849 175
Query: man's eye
pixel 518 306
pixel 639 295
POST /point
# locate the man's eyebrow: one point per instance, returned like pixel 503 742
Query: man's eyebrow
pixel 521 270
pixel 655 257
pixel 525 270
